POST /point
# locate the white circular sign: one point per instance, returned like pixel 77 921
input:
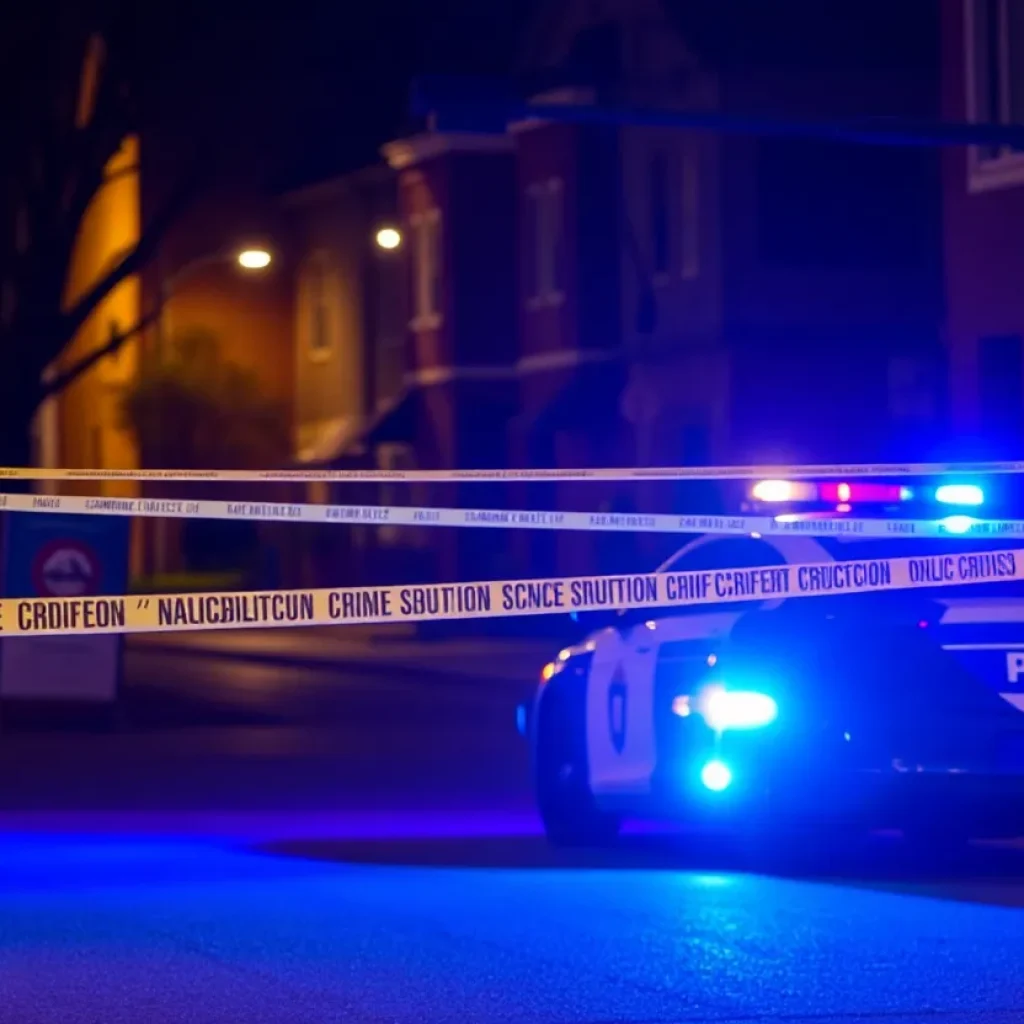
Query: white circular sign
pixel 67 572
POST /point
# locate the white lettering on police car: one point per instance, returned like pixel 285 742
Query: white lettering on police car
pixel 1014 665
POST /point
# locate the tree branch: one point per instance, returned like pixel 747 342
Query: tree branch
pixel 62 380
pixel 122 172
pixel 137 258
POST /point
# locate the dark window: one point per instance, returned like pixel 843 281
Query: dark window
pixel 997 60
pixel 543 241
pixel 839 205
pixel 660 212
pixel 531 234
pixel 1001 390
pixel 320 325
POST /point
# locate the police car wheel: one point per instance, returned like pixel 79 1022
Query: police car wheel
pixel 567 809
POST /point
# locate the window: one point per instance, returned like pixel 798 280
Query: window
pixel 673 214
pixel 319 311
pixel 1001 390
pixel 426 268
pixel 689 248
pixel 911 389
pixel 659 212
pixel 994 35
pixel 544 242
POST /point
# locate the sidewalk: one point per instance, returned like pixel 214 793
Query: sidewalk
pixel 364 649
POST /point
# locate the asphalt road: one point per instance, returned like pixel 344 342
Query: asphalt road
pixel 271 845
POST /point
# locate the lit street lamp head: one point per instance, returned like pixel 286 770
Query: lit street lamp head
pixel 389 238
pixel 254 259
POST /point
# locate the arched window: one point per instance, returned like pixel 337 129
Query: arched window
pixel 319 293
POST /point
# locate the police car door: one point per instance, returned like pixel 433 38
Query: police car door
pixel 633 666
pixel 986 635
pixel 981 627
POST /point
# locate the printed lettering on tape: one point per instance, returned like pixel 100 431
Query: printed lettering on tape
pixel 431 602
pixel 959 527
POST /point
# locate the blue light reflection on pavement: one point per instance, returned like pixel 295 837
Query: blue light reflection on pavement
pixel 115 926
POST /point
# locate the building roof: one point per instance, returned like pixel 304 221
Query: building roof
pixel 804 34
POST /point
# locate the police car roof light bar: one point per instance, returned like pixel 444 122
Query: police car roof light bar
pixel 960 494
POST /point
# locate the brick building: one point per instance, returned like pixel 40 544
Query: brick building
pixel 983 201
pixel 585 295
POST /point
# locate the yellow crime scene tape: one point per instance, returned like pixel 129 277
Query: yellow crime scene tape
pixel 497 475
pixel 401 515
pixel 63 616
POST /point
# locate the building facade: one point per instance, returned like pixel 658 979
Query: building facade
pixel 983 204
pixel 592 295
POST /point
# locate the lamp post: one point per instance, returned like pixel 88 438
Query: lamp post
pixel 384 303
pixel 249 260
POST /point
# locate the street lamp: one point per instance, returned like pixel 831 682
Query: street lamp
pixel 388 238
pixel 249 260
pixel 254 259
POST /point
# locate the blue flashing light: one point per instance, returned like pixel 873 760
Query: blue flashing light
pixel 957 524
pixel 737 709
pixel 960 494
pixel 715 775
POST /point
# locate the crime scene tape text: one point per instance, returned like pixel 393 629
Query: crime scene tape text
pixel 397 515
pixel 61 616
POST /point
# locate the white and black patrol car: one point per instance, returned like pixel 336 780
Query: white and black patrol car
pixel 900 710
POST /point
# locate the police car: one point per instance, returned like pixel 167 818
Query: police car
pixel 900 710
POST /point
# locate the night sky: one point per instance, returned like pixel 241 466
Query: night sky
pixel 315 88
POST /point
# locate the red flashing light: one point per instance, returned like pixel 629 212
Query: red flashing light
pixel 861 492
